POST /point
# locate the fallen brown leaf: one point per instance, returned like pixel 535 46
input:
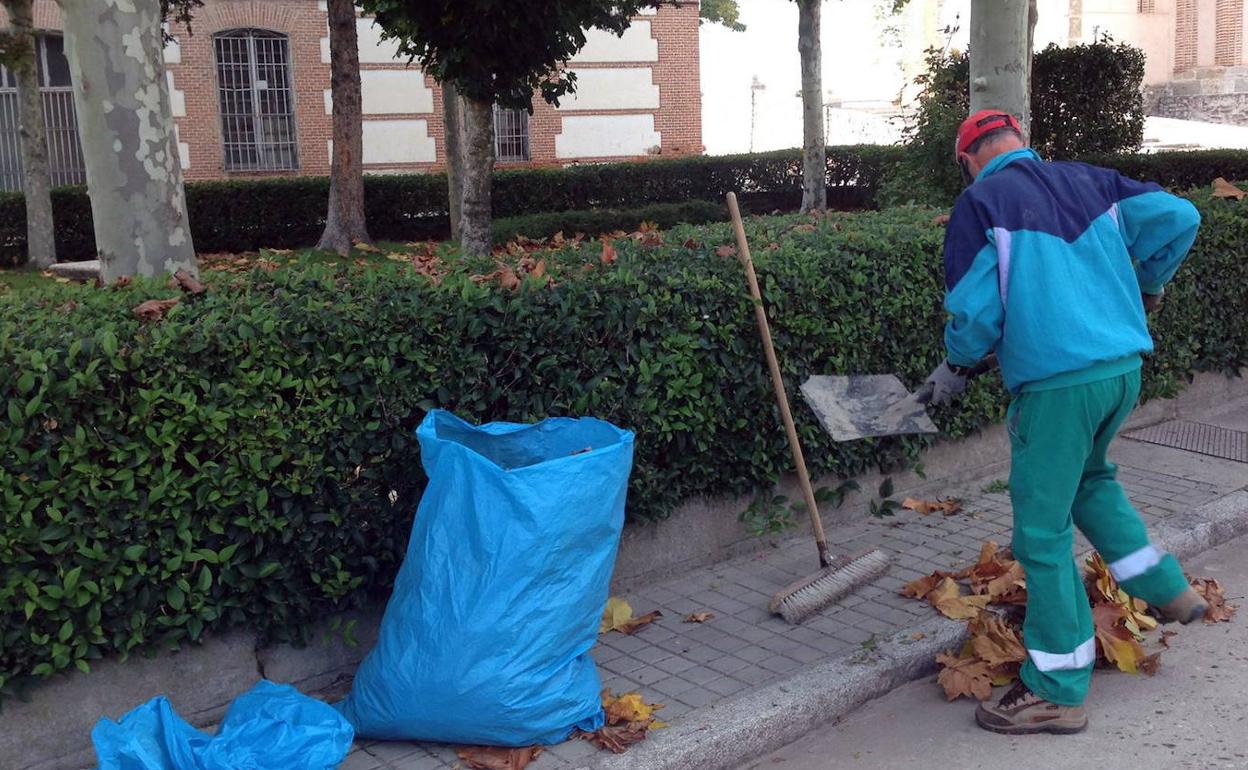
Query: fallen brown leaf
pixel 632 626
pixel 508 279
pixel 1010 587
pixel 367 248
pixel 940 220
pixel 1224 189
pixel 617 738
pixel 920 588
pixel 924 507
pixel 497 758
pixel 692 244
pixel 608 253
pixel 154 309
pixel 188 283
pixel 964 676
pixel 917 635
pixel 1219 610
pixel 699 617
pixel 996 642
pixel 1116 642
pixel 727 250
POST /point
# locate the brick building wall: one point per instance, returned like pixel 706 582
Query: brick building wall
pixel 656 61
pixel 638 95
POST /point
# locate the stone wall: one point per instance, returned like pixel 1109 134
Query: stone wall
pixel 1212 95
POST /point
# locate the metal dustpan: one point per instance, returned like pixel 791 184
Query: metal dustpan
pixel 865 405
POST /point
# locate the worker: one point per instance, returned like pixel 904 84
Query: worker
pixel 1052 267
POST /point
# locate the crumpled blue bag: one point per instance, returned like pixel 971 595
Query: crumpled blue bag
pixel 269 727
pixel 486 637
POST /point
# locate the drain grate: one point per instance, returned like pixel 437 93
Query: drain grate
pixel 1197 437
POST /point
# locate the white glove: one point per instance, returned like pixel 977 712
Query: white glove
pixel 945 383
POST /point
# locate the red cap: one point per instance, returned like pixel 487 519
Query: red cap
pixel 981 123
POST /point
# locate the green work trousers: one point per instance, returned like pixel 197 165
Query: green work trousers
pixel 1061 479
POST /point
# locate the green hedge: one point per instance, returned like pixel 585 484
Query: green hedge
pixel 597 221
pixel 249 214
pixel 249 460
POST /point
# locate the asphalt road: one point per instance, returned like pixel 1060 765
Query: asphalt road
pixel 1192 714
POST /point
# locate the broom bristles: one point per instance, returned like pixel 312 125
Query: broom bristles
pixel 811 594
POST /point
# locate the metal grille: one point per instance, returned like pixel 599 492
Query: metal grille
pixel 511 135
pixel 257 101
pixel 65 163
pixel 1148 6
pixel 1212 440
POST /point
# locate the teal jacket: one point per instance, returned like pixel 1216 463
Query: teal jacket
pixel 1045 264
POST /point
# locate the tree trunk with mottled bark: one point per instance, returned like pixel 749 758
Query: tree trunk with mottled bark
pixel 814 149
pixel 475 217
pixel 452 114
pixel 1000 58
pixel 345 223
pixel 36 180
pixel 134 176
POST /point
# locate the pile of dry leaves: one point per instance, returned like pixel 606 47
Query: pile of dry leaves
pixel 995 651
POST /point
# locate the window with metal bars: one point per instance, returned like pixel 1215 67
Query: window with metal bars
pixel 257 100
pixel 65 164
pixel 511 135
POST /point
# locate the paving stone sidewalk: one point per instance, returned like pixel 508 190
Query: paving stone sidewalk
pixel 691 666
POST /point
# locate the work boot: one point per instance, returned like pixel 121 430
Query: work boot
pixel 1022 712
pixel 1185 608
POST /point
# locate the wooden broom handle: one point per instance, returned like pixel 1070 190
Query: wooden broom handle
pixel 777 382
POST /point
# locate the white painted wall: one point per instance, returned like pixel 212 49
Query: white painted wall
pixel 177 99
pixel 616 88
pixel 372 49
pixel 398 141
pixel 173 50
pixel 391 92
pixel 635 45
pixel 606 136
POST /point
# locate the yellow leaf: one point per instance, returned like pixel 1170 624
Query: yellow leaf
pixel 615 614
pixel 963 607
pixel 628 707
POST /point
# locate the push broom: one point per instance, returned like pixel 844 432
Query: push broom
pixel 836 576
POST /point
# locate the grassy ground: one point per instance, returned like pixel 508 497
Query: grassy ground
pixel 17 280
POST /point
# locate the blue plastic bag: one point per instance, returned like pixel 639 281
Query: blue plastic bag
pixel 486 637
pixel 269 727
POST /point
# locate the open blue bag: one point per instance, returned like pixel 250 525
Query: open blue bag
pixel 487 635
pixel 269 727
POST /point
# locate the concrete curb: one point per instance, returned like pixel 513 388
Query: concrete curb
pixel 722 737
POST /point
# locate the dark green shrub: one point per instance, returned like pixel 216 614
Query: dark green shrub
pixel 248 214
pixel 249 459
pixel 1085 100
pixel 598 221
